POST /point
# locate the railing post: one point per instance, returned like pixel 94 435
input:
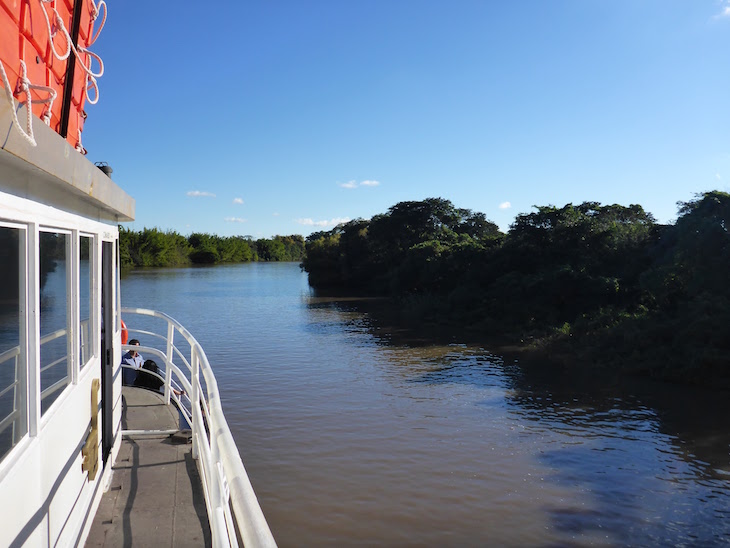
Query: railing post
pixel 17 437
pixel 195 400
pixel 168 358
pixel 168 386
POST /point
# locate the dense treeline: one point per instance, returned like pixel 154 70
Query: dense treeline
pixel 590 283
pixel 152 247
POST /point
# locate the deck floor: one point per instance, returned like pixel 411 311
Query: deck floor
pixel 155 498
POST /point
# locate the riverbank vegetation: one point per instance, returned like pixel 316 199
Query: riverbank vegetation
pixel 589 284
pixel 153 247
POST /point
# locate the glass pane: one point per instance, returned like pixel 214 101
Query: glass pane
pixel 13 388
pixel 54 316
pixel 86 348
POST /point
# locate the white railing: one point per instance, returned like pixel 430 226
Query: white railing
pixel 63 379
pixel 12 418
pixel 225 482
pixel 49 373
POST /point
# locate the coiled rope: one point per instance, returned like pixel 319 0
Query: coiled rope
pixel 58 23
pixel 25 85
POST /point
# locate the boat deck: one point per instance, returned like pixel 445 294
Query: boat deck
pixel 155 497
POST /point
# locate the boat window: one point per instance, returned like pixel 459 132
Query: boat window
pixel 54 318
pixel 86 278
pixel 13 386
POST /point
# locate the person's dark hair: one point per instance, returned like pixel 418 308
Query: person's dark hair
pixel 148 381
pixel 133 341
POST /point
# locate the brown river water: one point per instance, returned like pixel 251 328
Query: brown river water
pixel 356 433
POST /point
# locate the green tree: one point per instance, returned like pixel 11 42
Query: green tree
pixel 204 248
pixel 270 250
pixel 294 246
pixel 322 260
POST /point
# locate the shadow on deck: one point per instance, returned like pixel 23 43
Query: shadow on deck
pixel 155 496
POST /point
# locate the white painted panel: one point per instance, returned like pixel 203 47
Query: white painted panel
pixel 64 482
pixel 47 493
pixel 21 500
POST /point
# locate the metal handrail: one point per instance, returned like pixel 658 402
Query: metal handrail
pixel 183 383
pixel 14 415
pixel 8 354
pixel 62 382
pixel 14 354
pixel 225 481
pixel 9 420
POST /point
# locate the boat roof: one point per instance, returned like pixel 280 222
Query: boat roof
pixel 54 173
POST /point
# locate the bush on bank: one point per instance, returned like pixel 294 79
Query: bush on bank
pixel 153 247
pixel 599 285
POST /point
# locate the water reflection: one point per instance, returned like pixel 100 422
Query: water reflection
pixel 693 420
pixel 358 431
pixel 645 463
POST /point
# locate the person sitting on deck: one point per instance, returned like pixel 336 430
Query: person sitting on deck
pixel 134 359
pixel 146 380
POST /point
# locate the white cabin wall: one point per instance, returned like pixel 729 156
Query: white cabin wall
pixel 65 434
pixel 19 509
pixel 45 498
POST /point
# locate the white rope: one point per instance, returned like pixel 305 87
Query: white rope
pixel 48 100
pixel 91 77
pixel 91 80
pixel 79 146
pixel 9 94
pixel 94 15
pixel 58 22
pixel 95 56
pixel 46 117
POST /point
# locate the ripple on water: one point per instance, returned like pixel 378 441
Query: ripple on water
pixel 351 438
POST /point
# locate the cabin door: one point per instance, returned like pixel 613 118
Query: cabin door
pixel 107 348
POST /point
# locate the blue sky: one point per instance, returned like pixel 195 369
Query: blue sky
pixel 285 117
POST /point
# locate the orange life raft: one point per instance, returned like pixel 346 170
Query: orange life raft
pixel 38 38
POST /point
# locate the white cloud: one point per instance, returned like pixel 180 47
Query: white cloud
pixel 505 205
pixel 275 214
pixel 200 193
pixel 237 200
pixel 725 12
pixel 718 177
pixel 332 222
pixel 235 220
pixel 355 184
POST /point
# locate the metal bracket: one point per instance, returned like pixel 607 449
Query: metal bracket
pixel 90 450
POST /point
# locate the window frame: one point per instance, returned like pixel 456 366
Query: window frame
pixel 94 328
pixel 70 252
pixel 23 391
